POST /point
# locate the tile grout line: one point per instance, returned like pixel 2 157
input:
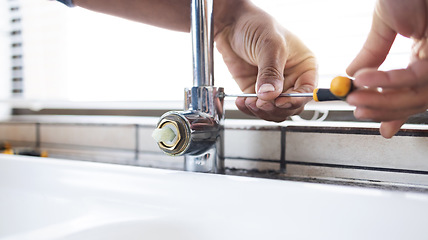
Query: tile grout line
pixel 137 144
pixel 359 167
pixel 283 163
pixel 355 131
pixel 252 159
pixel 37 135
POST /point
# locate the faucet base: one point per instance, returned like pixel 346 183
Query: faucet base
pixel 211 161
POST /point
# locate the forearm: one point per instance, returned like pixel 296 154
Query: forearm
pixel 170 14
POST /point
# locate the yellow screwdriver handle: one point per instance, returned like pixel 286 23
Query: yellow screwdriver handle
pixel 324 94
pixel 341 87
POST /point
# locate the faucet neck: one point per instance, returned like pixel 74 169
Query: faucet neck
pixel 202 42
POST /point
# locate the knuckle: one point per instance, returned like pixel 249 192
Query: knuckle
pixel 270 72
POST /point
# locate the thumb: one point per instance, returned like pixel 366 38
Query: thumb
pixel 389 129
pixel 375 49
pixel 270 77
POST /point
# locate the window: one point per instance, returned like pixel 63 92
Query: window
pixel 5 46
pixel 78 55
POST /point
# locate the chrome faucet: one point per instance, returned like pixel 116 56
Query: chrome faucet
pixel 197 132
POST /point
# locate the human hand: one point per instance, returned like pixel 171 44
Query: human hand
pixel 262 56
pixel 404 91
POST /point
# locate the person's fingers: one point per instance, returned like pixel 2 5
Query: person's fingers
pixel 379 115
pixel 274 114
pixel 271 112
pixel 389 129
pixel 265 105
pixel 420 49
pixel 240 103
pixel 250 104
pixel 305 83
pixel 271 58
pixel 376 47
pixel 416 74
pixel 391 99
pixel 277 114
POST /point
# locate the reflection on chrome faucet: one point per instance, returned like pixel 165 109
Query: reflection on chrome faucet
pixel 197 132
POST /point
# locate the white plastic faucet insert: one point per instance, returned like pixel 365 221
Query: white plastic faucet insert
pixel 165 134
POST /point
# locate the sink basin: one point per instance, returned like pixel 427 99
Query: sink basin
pixel 61 199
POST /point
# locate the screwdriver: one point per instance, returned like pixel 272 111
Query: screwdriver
pixel 340 87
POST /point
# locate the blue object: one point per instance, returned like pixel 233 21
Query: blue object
pixel 67 2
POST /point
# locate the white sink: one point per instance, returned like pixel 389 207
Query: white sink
pixel 59 199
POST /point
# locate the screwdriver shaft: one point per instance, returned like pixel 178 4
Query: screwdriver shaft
pixel 280 95
pixel 339 89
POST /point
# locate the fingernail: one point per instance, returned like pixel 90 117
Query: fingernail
pixel 253 106
pixel 357 113
pixel 265 105
pixel 266 88
pixel 350 100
